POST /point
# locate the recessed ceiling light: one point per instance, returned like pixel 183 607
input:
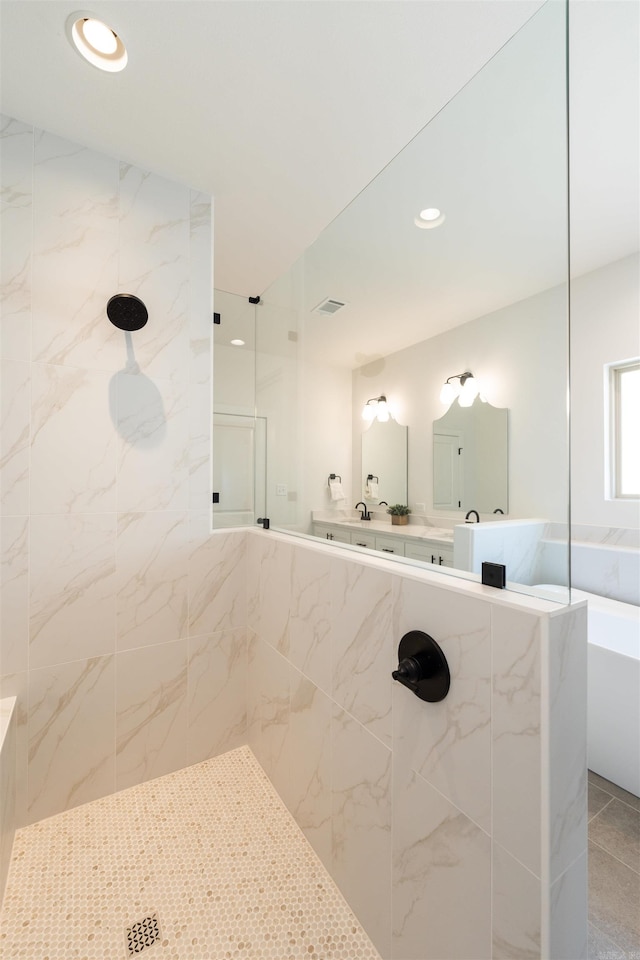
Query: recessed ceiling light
pixel 237 343
pixel 429 218
pixel 96 42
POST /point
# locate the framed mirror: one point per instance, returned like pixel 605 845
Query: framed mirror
pixel 470 461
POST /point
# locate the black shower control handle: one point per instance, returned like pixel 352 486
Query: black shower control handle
pixel 422 667
pixel 409 672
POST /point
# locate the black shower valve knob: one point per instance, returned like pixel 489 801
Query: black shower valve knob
pixel 409 672
pixel 422 667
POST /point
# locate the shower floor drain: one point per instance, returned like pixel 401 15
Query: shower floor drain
pixel 142 934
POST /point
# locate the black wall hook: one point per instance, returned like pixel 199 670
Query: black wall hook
pixel 422 667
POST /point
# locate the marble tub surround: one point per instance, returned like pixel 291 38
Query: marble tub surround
pixel 592 533
pixel 604 560
pixel 408 802
pixel 515 543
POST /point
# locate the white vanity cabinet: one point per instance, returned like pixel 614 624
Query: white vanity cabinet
pixel 390 545
pixel 337 534
pixel 360 538
pixel 400 545
pixel 431 551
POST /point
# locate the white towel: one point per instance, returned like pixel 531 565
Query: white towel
pixel 335 487
pixel 371 490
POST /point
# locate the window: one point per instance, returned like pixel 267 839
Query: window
pixel 624 387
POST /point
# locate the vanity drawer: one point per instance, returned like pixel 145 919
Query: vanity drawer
pixel 335 534
pixel 390 545
pixel 360 539
pixel 434 553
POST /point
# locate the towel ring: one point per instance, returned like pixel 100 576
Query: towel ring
pixel 371 476
pixel 334 476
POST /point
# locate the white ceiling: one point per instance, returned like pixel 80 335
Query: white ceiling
pixel 284 110
pixel 281 109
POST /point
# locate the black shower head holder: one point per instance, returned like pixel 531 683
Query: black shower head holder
pixel 127 312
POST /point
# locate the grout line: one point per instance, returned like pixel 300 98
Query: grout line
pixel 590 819
pixel 613 857
pixel 619 799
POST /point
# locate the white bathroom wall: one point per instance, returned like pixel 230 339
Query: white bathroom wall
pixel 122 618
pixel 454 829
pixel 326 438
pixel 519 355
pixel 605 307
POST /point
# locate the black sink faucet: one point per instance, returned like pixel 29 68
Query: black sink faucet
pixel 364 514
pixel 477 520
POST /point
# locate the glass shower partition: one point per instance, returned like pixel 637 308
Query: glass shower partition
pixel 388 303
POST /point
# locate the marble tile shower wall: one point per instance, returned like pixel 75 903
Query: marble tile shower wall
pixel 454 830
pixel 122 619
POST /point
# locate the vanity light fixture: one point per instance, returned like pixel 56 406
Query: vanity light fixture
pixel 237 343
pixel 376 409
pixel 96 42
pixel 466 390
pixel 429 218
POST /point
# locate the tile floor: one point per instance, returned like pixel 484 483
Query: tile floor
pixel 92 883
pixel 614 872
pixel 209 856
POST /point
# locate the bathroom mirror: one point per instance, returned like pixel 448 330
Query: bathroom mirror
pixel 470 460
pixel 384 303
pixel 384 460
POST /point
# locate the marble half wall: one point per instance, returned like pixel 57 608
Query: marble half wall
pixel 455 829
pixel 123 620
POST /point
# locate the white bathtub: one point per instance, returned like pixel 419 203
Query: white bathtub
pixel 613 701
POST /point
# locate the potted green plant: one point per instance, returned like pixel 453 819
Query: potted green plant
pixel 399 513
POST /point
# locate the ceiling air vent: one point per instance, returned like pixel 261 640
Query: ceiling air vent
pixel 328 307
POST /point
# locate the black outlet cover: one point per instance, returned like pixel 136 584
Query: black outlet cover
pixel 494 575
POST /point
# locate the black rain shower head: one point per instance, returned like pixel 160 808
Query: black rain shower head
pixel 127 312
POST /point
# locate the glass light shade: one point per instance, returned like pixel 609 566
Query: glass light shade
pixel 469 392
pixel 382 412
pixel 368 411
pixel 449 393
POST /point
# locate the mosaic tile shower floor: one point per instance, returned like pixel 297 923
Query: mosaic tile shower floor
pixel 210 850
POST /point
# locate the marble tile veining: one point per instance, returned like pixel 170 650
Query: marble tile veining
pixel 441 878
pixel 449 744
pixel 152 555
pixel 14 594
pixel 361 824
pixel 151 712
pixel 73 441
pixel 241 882
pixel 15 402
pixel 362 649
pixel 71 735
pixel 72 613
